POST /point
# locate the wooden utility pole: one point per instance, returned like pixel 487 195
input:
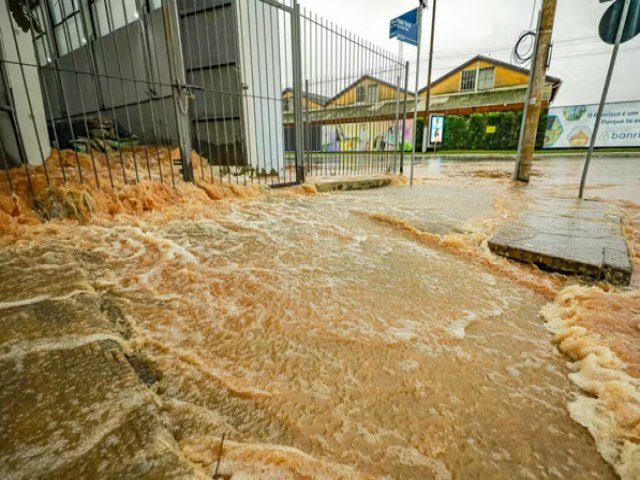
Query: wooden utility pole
pixel 427 121
pixel 535 92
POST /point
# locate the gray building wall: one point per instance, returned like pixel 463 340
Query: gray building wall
pixel 91 79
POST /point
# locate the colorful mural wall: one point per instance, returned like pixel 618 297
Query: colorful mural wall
pixel 365 137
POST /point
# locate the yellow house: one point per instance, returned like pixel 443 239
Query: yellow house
pixel 366 90
pixel 310 101
pixel 484 84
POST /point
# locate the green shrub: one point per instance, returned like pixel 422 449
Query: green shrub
pixel 469 132
pixel 419 134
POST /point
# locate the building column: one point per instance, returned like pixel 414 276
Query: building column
pixel 20 90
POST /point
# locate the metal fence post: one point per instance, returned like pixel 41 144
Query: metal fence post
pixel 297 91
pixel 180 91
pixel 404 113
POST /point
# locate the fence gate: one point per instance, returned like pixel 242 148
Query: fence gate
pixel 243 91
pixel 239 56
pixel 125 89
pixel 354 97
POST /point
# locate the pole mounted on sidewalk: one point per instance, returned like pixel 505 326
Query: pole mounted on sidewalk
pixel 415 98
pixel 534 99
pixel 605 92
pixel 428 104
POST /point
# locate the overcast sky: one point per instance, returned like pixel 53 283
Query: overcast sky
pixel 465 28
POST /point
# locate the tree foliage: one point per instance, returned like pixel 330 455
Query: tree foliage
pixel 21 10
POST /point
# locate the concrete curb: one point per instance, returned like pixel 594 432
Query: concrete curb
pixel 324 186
pixel 512 156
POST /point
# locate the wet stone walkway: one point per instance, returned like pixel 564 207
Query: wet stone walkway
pixel 568 236
pixel 71 404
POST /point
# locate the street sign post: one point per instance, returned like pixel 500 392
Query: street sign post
pixel 405 27
pixel 611 20
pixel 408 28
pixel 625 15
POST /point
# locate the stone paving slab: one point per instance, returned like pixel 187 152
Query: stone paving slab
pixel 324 185
pixel 71 404
pixel 568 236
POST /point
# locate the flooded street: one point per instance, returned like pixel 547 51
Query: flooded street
pixel 356 335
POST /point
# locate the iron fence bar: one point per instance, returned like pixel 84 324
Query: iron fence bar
pixel 232 80
pixel 327 92
pixel 53 124
pixel 279 5
pixel 23 150
pixel 110 26
pixel 222 105
pixel 284 103
pixel 6 167
pixel 214 95
pixel 253 90
pixel 113 111
pixel 32 114
pixel 246 158
pixel 190 58
pixel 305 76
pixel 147 59
pixel 135 86
pixel 318 65
pixel 268 8
pixel 61 91
pixel 65 29
pixel 95 90
pixel 307 113
pixel 364 45
pixel 297 90
pixel 351 160
pixel 46 93
pixel 176 61
pixel 404 112
pixel 399 139
pixel 276 88
pixel 261 104
pixel 158 83
pixel 338 87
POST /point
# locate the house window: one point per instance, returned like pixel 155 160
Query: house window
pixel 43 50
pixel 360 94
pixel 372 93
pixel 154 4
pixel 287 104
pixel 486 77
pixel 468 82
pixel 68 29
pixel 109 15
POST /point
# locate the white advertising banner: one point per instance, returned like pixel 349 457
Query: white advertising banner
pixel 572 127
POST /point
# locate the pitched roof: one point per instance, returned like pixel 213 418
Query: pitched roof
pixel 362 78
pixel 315 97
pixel 554 80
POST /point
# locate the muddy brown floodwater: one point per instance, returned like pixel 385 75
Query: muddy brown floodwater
pixel 337 336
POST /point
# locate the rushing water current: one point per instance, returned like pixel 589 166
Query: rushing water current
pixel 327 343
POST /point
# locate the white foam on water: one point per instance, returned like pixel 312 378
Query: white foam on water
pixel 41 298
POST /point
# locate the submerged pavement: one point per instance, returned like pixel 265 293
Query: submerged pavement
pixel 568 236
pixel 71 403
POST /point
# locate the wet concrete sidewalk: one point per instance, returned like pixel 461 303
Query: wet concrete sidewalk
pixel 71 404
pixel 568 236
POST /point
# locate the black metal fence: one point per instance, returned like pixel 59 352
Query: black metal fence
pixel 111 92
pixel 353 96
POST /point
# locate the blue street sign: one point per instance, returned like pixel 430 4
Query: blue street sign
pixel 405 27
